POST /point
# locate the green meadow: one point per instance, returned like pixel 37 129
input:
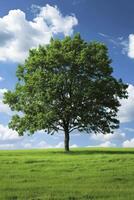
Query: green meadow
pixel 84 173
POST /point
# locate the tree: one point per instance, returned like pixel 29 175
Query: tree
pixel 66 85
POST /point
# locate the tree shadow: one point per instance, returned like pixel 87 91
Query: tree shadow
pixel 89 152
pixel 94 151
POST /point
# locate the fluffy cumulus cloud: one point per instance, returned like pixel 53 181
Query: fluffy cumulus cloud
pixel 118 136
pixel 18 35
pixel 30 144
pixel 9 139
pixel 4 108
pixel 126 111
pixel 104 144
pixel 7 134
pixel 6 146
pixel 108 140
pixel 131 46
pixel 128 143
pixel 107 144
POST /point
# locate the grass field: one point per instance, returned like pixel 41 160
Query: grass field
pixel 88 173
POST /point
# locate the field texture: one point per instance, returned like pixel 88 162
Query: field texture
pixel 90 173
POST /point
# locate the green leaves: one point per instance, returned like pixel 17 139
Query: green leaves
pixel 66 85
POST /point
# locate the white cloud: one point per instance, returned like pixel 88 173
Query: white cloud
pixel 6 146
pixel 74 146
pixel 108 140
pixel 42 144
pixel 7 134
pixel 27 145
pixel 18 35
pixel 60 145
pixel 124 44
pixel 1 78
pixel 107 144
pixel 2 91
pixel 54 20
pixel 119 42
pixel 131 46
pixel 4 108
pixel 104 35
pixel 128 143
pixel 126 111
pixel 10 139
pixel 118 136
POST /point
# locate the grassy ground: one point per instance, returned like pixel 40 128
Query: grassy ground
pixel 94 174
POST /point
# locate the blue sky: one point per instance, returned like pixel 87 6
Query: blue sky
pixel 26 24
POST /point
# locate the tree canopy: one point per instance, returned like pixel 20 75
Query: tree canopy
pixel 66 85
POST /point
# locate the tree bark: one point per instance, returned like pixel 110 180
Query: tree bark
pixel 66 140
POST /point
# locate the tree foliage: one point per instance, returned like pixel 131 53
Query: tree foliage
pixel 66 85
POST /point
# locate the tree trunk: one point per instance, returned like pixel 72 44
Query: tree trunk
pixel 66 140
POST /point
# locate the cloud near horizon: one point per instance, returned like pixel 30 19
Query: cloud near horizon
pixel 18 35
pixel 126 110
pixel 128 143
pixel 117 136
pixel 9 139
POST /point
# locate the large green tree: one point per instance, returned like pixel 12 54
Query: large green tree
pixel 66 85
